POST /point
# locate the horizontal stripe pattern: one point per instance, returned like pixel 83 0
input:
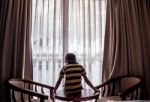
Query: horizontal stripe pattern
pixel 73 73
pixel 70 84
pixel 73 86
pixel 72 81
pixel 73 78
pixel 74 69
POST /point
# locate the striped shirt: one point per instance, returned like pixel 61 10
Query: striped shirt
pixel 72 73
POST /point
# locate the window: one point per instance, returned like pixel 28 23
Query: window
pixel 53 36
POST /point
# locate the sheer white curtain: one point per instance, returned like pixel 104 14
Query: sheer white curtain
pixel 62 26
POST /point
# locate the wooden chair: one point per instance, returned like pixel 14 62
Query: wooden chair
pixel 122 88
pixel 28 91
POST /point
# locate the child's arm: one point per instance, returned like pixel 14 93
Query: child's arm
pixel 57 84
pixel 89 83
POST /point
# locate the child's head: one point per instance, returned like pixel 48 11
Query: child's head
pixel 70 58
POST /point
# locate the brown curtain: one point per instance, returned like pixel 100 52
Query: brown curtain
pixel 127 39
pixel 15 48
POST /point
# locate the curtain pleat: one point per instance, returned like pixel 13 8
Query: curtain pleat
pixel 127 39
pixel 15 50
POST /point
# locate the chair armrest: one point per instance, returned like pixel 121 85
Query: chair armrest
pixel 103 84
pixel 25 91
pixel 126 92
pixel 36 83
pixel 31 88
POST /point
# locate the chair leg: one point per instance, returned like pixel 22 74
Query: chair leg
pixel 96 99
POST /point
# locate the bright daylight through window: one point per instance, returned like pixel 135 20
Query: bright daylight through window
pixel 74 26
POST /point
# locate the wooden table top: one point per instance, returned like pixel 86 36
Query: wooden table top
pixel 86 94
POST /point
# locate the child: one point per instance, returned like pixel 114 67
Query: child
pixel 73 72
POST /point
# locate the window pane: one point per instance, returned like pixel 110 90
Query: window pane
pixel 84 37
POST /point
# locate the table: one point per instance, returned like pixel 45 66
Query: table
pixel 86 94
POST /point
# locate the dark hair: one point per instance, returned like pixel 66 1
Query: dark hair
pixel 70 58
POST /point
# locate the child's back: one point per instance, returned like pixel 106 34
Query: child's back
pixel 73 73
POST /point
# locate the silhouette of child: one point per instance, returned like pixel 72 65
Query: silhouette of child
pixel 73 73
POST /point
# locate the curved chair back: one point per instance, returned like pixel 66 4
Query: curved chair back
pixel 127 82
pixel 126 87
pixel 22 90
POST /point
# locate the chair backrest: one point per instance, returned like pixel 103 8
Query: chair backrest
pixel 124 86
pixel 22 90
pixel 127 82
